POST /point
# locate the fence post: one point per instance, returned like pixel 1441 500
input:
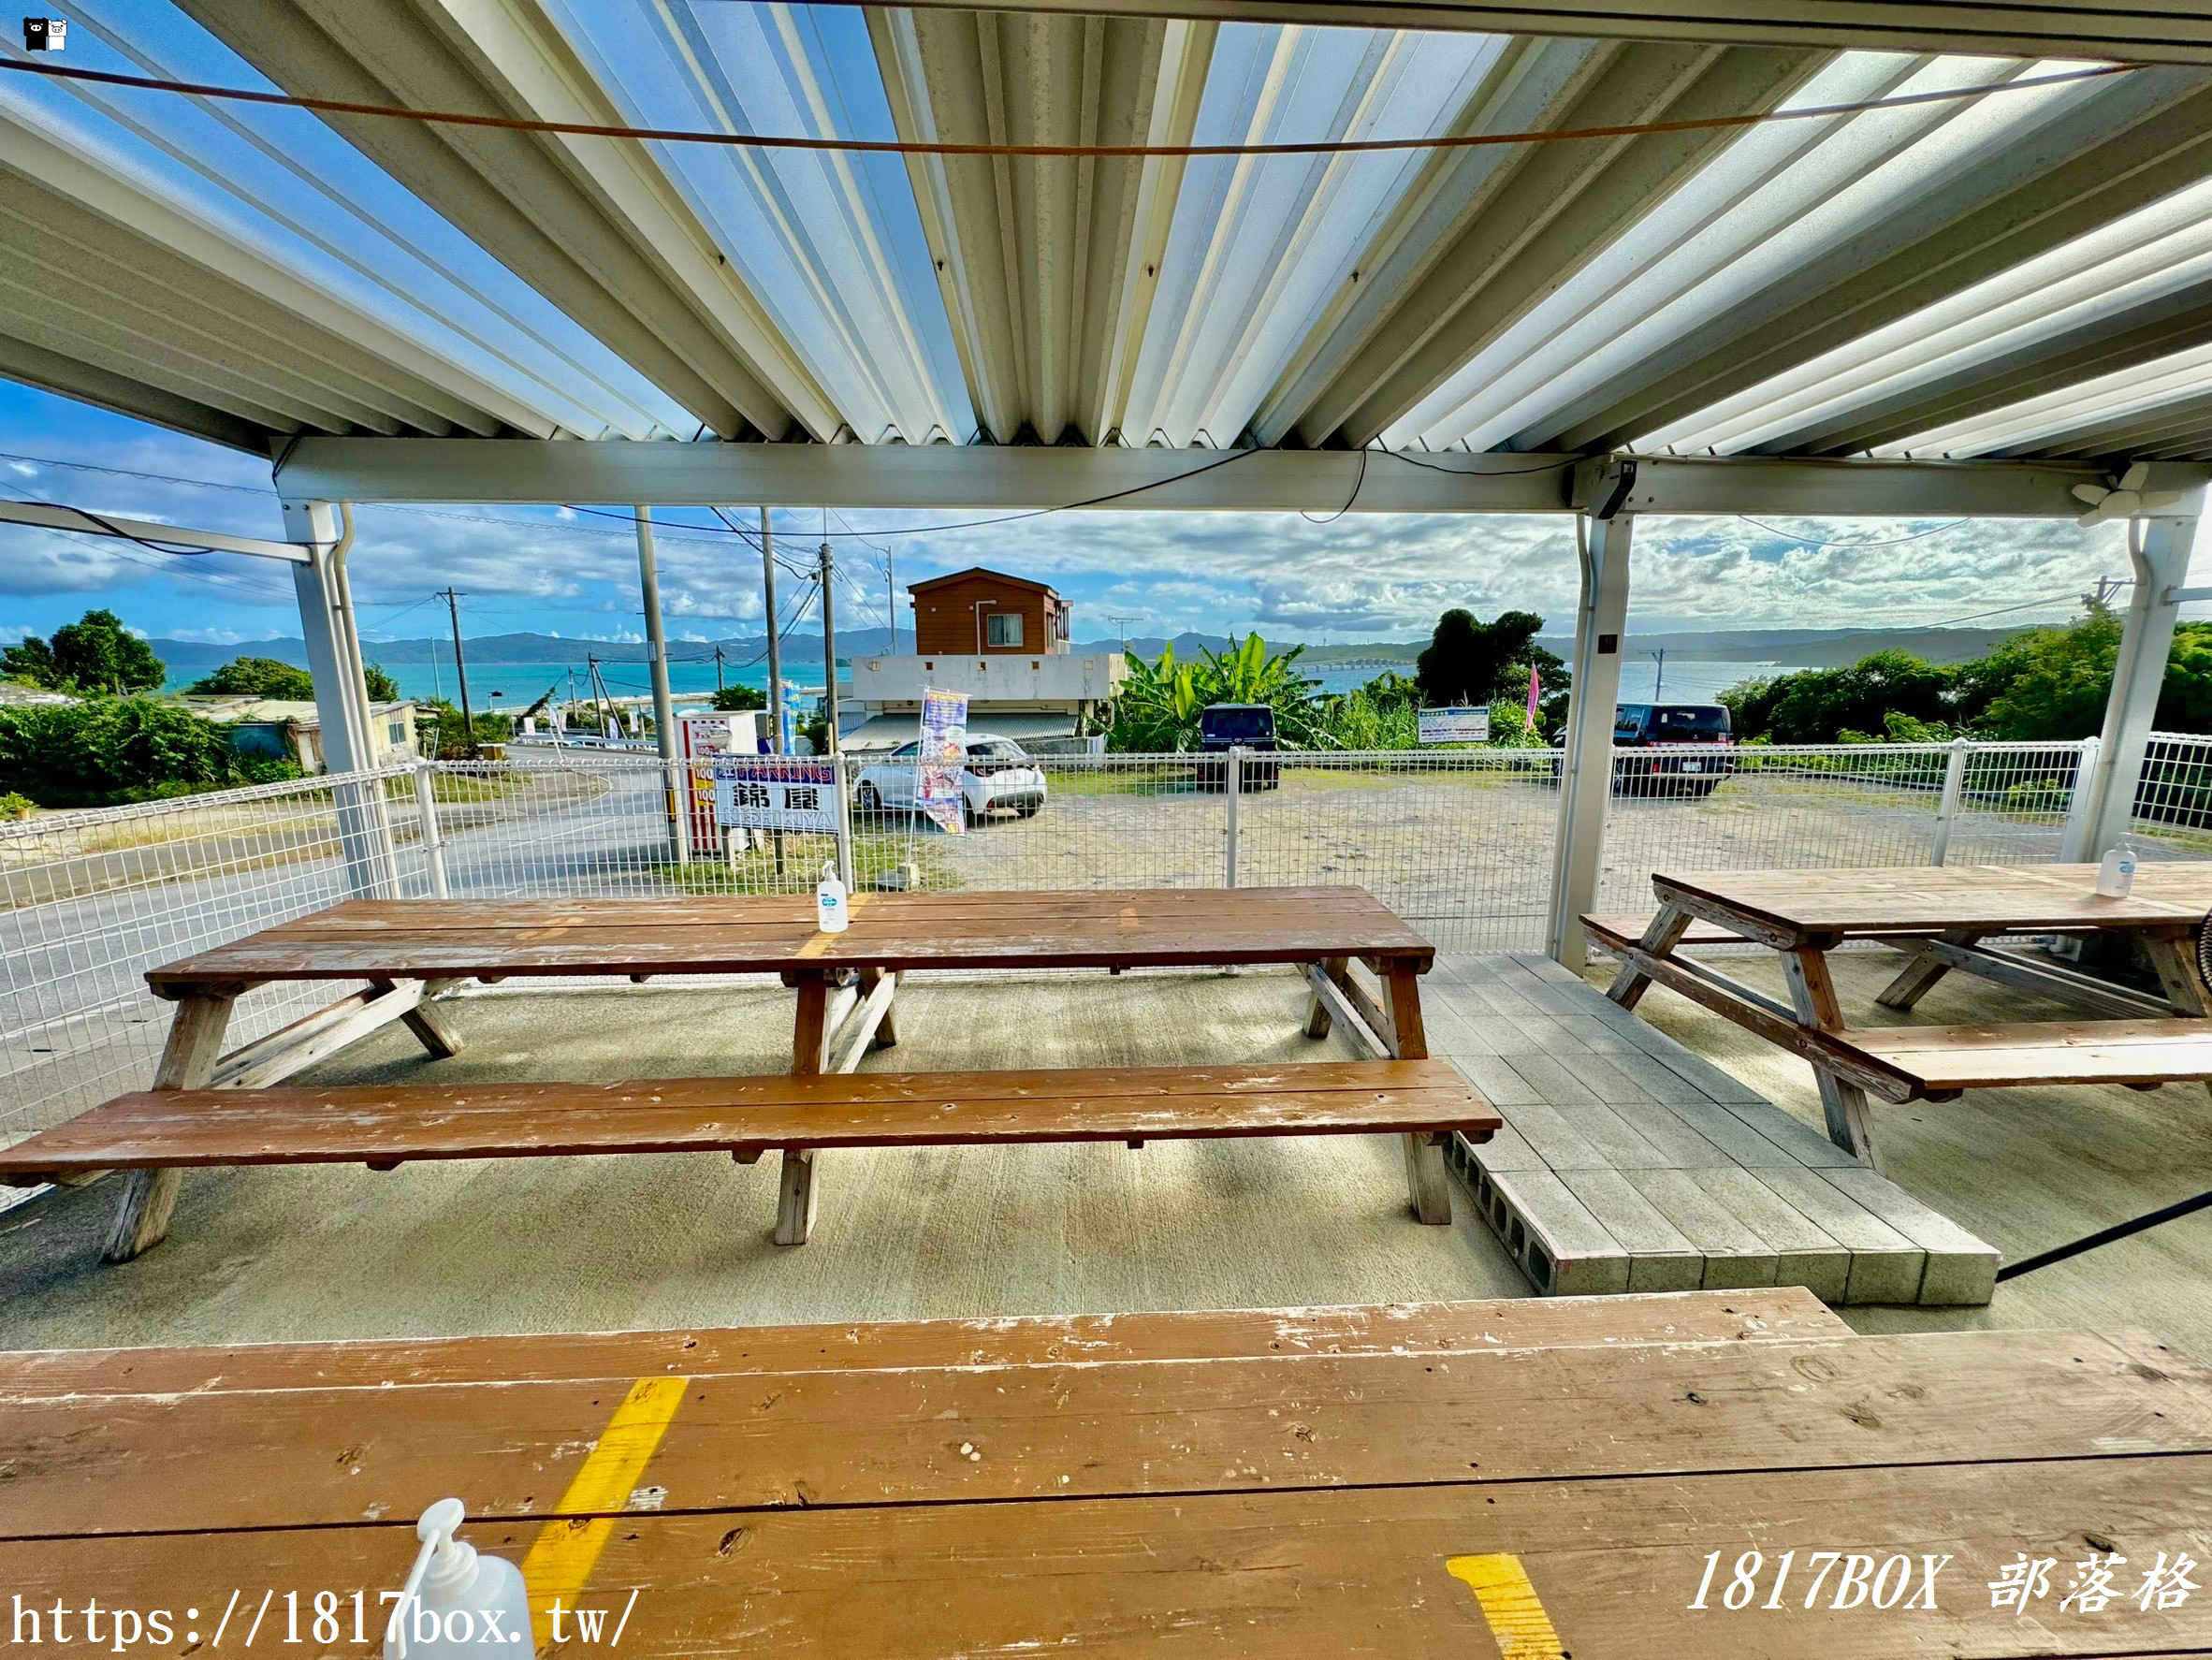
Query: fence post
pixel 839 780
pixel 2073 839
pixel 1233 788
pixel 434 844
pixel 1947 810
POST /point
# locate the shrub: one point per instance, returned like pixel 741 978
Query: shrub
pixel 115 749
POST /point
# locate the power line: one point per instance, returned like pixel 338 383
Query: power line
pixel 1127 151
pixel 1890 542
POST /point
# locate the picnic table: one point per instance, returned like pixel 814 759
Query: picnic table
pixel 1538 1480
pixel 1942 917
pixel 844 983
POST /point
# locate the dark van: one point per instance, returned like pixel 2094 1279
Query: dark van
pixel 1224 726
pixel 1693 744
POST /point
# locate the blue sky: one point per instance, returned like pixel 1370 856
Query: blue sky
pixel 1362 577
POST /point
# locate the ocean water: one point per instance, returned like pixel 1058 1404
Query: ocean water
pixel 520 684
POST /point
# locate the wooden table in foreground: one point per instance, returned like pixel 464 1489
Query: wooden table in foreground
pixel 407 950
pixel 1539 1479
pixel 1940 915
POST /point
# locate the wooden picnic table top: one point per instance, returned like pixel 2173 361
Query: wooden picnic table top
pixel 1169 1484
pixel 1131 928
pixel 1791 906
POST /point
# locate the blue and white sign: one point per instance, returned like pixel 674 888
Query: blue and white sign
pixel 1454 726
pixel 776 793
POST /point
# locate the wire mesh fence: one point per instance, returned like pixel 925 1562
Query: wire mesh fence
pixel 2172 814
pixel 1459 842
pixel 91 900
pixel 1803 807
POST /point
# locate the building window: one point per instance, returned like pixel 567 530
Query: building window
pixel 1003 628
pixel 395 733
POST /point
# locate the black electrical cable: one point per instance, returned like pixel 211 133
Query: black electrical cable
pixel 2105 1236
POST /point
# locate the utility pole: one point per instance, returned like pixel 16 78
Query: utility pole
pixel 717 669
pixel 1659 683
pixel 829 641
pixel 1121 626
pixel 460 669
pixel 775 647
pixel 891 601
pixel 648 583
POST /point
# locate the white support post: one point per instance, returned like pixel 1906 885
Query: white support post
pixel 342 701
pixel 2160 557
pixel 2074 838
pixel 1948 808
pixel 1232 785
pixel 434 844
pixel 675 785
pixel 1586 768
pixel 842 783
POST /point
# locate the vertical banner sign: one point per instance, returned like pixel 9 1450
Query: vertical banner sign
pixel 699 739
pixel 1535 688
pixel 942 756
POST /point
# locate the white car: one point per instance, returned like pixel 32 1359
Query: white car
pixel 999 777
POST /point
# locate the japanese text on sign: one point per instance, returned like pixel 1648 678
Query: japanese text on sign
pixel 774 792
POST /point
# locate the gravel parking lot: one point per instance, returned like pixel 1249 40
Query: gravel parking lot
pixel 1464 850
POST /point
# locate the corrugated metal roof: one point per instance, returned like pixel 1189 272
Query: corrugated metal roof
pixel 2009 272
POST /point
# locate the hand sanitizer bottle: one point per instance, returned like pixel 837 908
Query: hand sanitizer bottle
pixel 830 913
pixel 456 1604
pixel 2116 874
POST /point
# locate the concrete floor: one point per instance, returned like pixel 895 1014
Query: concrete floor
pixel 656 1242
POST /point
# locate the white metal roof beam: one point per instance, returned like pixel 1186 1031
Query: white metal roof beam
pixel 594 227
pixel 130 394
pixel 2172 33
pixel 2140 335
pixel 2157 431
pixel 85 220
pixel 923 478
pixel 1045 263
pixel 1566 202
pixel 2125 145
pixel 47 516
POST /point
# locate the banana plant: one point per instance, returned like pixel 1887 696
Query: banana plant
pixel 1159 706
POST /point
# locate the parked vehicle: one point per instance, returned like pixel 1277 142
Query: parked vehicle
pixel 1224 726
pixel 1693 749
pixel 998 777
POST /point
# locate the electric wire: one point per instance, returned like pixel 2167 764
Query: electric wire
pixel 1447 141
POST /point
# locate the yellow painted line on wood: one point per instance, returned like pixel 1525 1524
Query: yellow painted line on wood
pixel 560 1564
pixel 1510 1606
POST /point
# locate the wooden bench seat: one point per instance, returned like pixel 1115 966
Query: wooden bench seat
pixel 1615 931
pixel 1942 1060
pixel 1612 931
pixel 384 1126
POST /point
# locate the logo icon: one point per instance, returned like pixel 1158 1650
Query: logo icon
pixel 45 34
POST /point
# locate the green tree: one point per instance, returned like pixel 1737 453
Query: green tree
pixel 2054 682
pixel 382 687
pixel 97 653
pixel 94 655
pixel 1469 662
pixel 1819 705
pixel 31 661
pixel 740 697
pixel 257 677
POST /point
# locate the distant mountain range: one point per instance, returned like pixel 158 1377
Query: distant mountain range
pixel 1800 647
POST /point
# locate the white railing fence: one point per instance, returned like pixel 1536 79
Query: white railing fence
pixel 1459 842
